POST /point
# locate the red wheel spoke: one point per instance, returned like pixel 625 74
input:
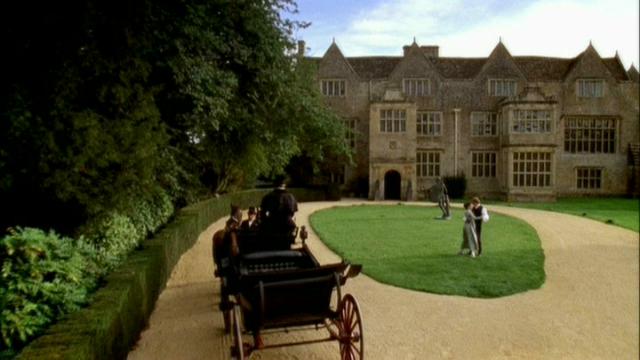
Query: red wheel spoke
pixel 355 348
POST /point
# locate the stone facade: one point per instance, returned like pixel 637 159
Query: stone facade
pixel 520 128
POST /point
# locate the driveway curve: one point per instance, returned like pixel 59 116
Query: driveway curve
pixel 588 307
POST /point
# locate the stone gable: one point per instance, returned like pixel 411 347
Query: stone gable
pixel 589 64
pixel 500 64
pixel 334 65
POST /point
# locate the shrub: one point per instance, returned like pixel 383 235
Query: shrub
pixel 118 232
pixel 333 192
pixel 111 324
pixel 43 276
pixel 359 187
pixel 457 185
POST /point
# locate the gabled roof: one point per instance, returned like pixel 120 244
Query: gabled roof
pixel 374 67
pixel 615 68
pixel 334 51
pixel 613 65
pixel 633 74
pixel 500 54
pixel 538 68
pixel 534 68
pixel 459 68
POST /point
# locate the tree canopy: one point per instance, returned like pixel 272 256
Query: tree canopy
pixel 102 101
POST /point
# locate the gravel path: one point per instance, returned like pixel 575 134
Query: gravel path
pixel 588 307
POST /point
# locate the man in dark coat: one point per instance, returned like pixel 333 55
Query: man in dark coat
pixel 482 215
pixel 276 212
pixel 251 224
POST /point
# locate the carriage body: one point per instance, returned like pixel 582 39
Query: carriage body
pixel 288 288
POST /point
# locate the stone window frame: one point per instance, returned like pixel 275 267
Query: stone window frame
pixel 479 126
pixel 530 124
pixel 484 164
pixel 492 87
pixel 429 123
pixel 589 134
pixel 589 177
pixel 328 87
pixel 587 88
pixel 531 169
pixel 351 125
pixel 413 91
pixel 428 163
pixel 396 123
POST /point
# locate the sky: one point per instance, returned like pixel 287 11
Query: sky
pixel 472 28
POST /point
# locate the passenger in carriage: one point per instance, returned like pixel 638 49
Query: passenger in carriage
pixel 235 218
pixel 251 224
pixel 225 249
pixel 223 246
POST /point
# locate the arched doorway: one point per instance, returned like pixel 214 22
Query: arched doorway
pixel 392 185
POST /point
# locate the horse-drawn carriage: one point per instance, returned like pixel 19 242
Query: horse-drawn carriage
pixel 268 284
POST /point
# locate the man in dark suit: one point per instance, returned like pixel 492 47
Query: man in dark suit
pixel 481 214
pixel 276 215
pixel 233 223
pixel 251 224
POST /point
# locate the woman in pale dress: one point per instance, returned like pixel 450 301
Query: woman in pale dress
pixel 469 237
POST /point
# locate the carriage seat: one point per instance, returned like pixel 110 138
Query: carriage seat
pixel 273 260
pixel 271 254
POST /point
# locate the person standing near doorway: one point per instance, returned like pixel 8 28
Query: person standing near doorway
pixel 481 216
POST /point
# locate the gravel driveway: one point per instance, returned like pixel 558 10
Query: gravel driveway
pixel 587 308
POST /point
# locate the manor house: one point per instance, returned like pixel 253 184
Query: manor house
pixel 517 127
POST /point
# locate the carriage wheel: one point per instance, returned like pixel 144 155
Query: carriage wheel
pixel 226 316
pixel 350 329
pixel 237 350
pixel 225 306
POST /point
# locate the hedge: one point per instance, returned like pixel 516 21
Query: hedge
pixel 119 311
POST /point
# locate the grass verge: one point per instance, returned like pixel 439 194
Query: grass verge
pixel 615 211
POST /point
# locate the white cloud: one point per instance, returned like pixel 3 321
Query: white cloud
pixel 468 28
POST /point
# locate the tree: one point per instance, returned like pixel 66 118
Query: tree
pixel 80 131
pixel 105 100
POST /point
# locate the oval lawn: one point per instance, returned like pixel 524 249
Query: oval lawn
pixel 410 247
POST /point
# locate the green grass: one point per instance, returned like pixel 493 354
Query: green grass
pixel 407 246
pixel 615 211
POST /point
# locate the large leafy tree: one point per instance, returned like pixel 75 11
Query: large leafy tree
pixel 102 101
pixel 247 104
pixel 79 128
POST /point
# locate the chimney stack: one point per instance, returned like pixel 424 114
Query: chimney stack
pixel 430 51
pixel 301 45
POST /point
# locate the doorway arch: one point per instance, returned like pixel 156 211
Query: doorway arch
pixel 392 182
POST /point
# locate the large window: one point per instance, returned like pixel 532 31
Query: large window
pixel 483 164
pixel 484 124
pixel 429 123
pixel 590 88
pixel 333 88
pixel 503 87
pixel 393 120
pixel 350 127
pixel 531 121
pixel 428 163
pixel 531 169
pixel 588 178
pixel 585 134
pixel 416 87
